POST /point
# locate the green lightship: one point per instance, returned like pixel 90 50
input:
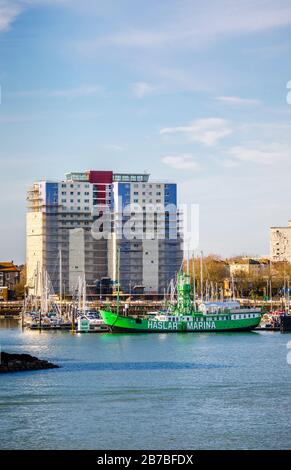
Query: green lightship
pixel 183 317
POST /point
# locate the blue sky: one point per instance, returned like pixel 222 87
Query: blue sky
pixel 192 91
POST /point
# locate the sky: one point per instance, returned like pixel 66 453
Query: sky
pixel 195 92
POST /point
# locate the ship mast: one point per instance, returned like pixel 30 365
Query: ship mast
pixel 183 294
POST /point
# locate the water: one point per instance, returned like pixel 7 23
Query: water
pixel 159 391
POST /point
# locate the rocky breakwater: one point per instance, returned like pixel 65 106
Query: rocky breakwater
pixel 22 362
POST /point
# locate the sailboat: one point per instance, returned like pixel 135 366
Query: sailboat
pixel 88 319
pixel 45 313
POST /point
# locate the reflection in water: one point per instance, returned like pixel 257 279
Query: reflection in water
pixel 7 323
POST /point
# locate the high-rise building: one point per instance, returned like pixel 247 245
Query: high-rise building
pixel 146 233
pixel 99 224
pixel 280 243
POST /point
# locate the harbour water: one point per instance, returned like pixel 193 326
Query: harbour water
pixel 147 391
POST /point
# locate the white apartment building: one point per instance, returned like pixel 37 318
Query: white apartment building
pixel 144 236
pixel 280 243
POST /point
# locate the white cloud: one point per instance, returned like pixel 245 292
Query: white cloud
pixel 207 131
pixel 237 100
pixel 115 147
pixel 132 38
pixel 74 92
pixel 190 25
pixel 141 89
pixel 228 163
pixel 85 90
pixel 9 10
pixel 266 154
pixel 181 162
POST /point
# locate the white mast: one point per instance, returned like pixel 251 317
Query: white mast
pixel 44 292
pixel 84 295
pixel 61 281
pixel 79 293
pixel 201 274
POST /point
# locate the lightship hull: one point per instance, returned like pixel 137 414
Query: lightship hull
pixel 182 324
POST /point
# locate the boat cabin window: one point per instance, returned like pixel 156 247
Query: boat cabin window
pixel 138 320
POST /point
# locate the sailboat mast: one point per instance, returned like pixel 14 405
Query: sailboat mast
pixel 61 281
pixel 187 266
pixel 194 281
pixel 84 295
pixel 201 274
pixel 79 293
pixel 46 291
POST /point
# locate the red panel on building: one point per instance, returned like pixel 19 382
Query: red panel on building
pixel 105 177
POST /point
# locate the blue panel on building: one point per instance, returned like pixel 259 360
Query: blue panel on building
pixel 124 194
pixel 51 194
pixel 170 194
